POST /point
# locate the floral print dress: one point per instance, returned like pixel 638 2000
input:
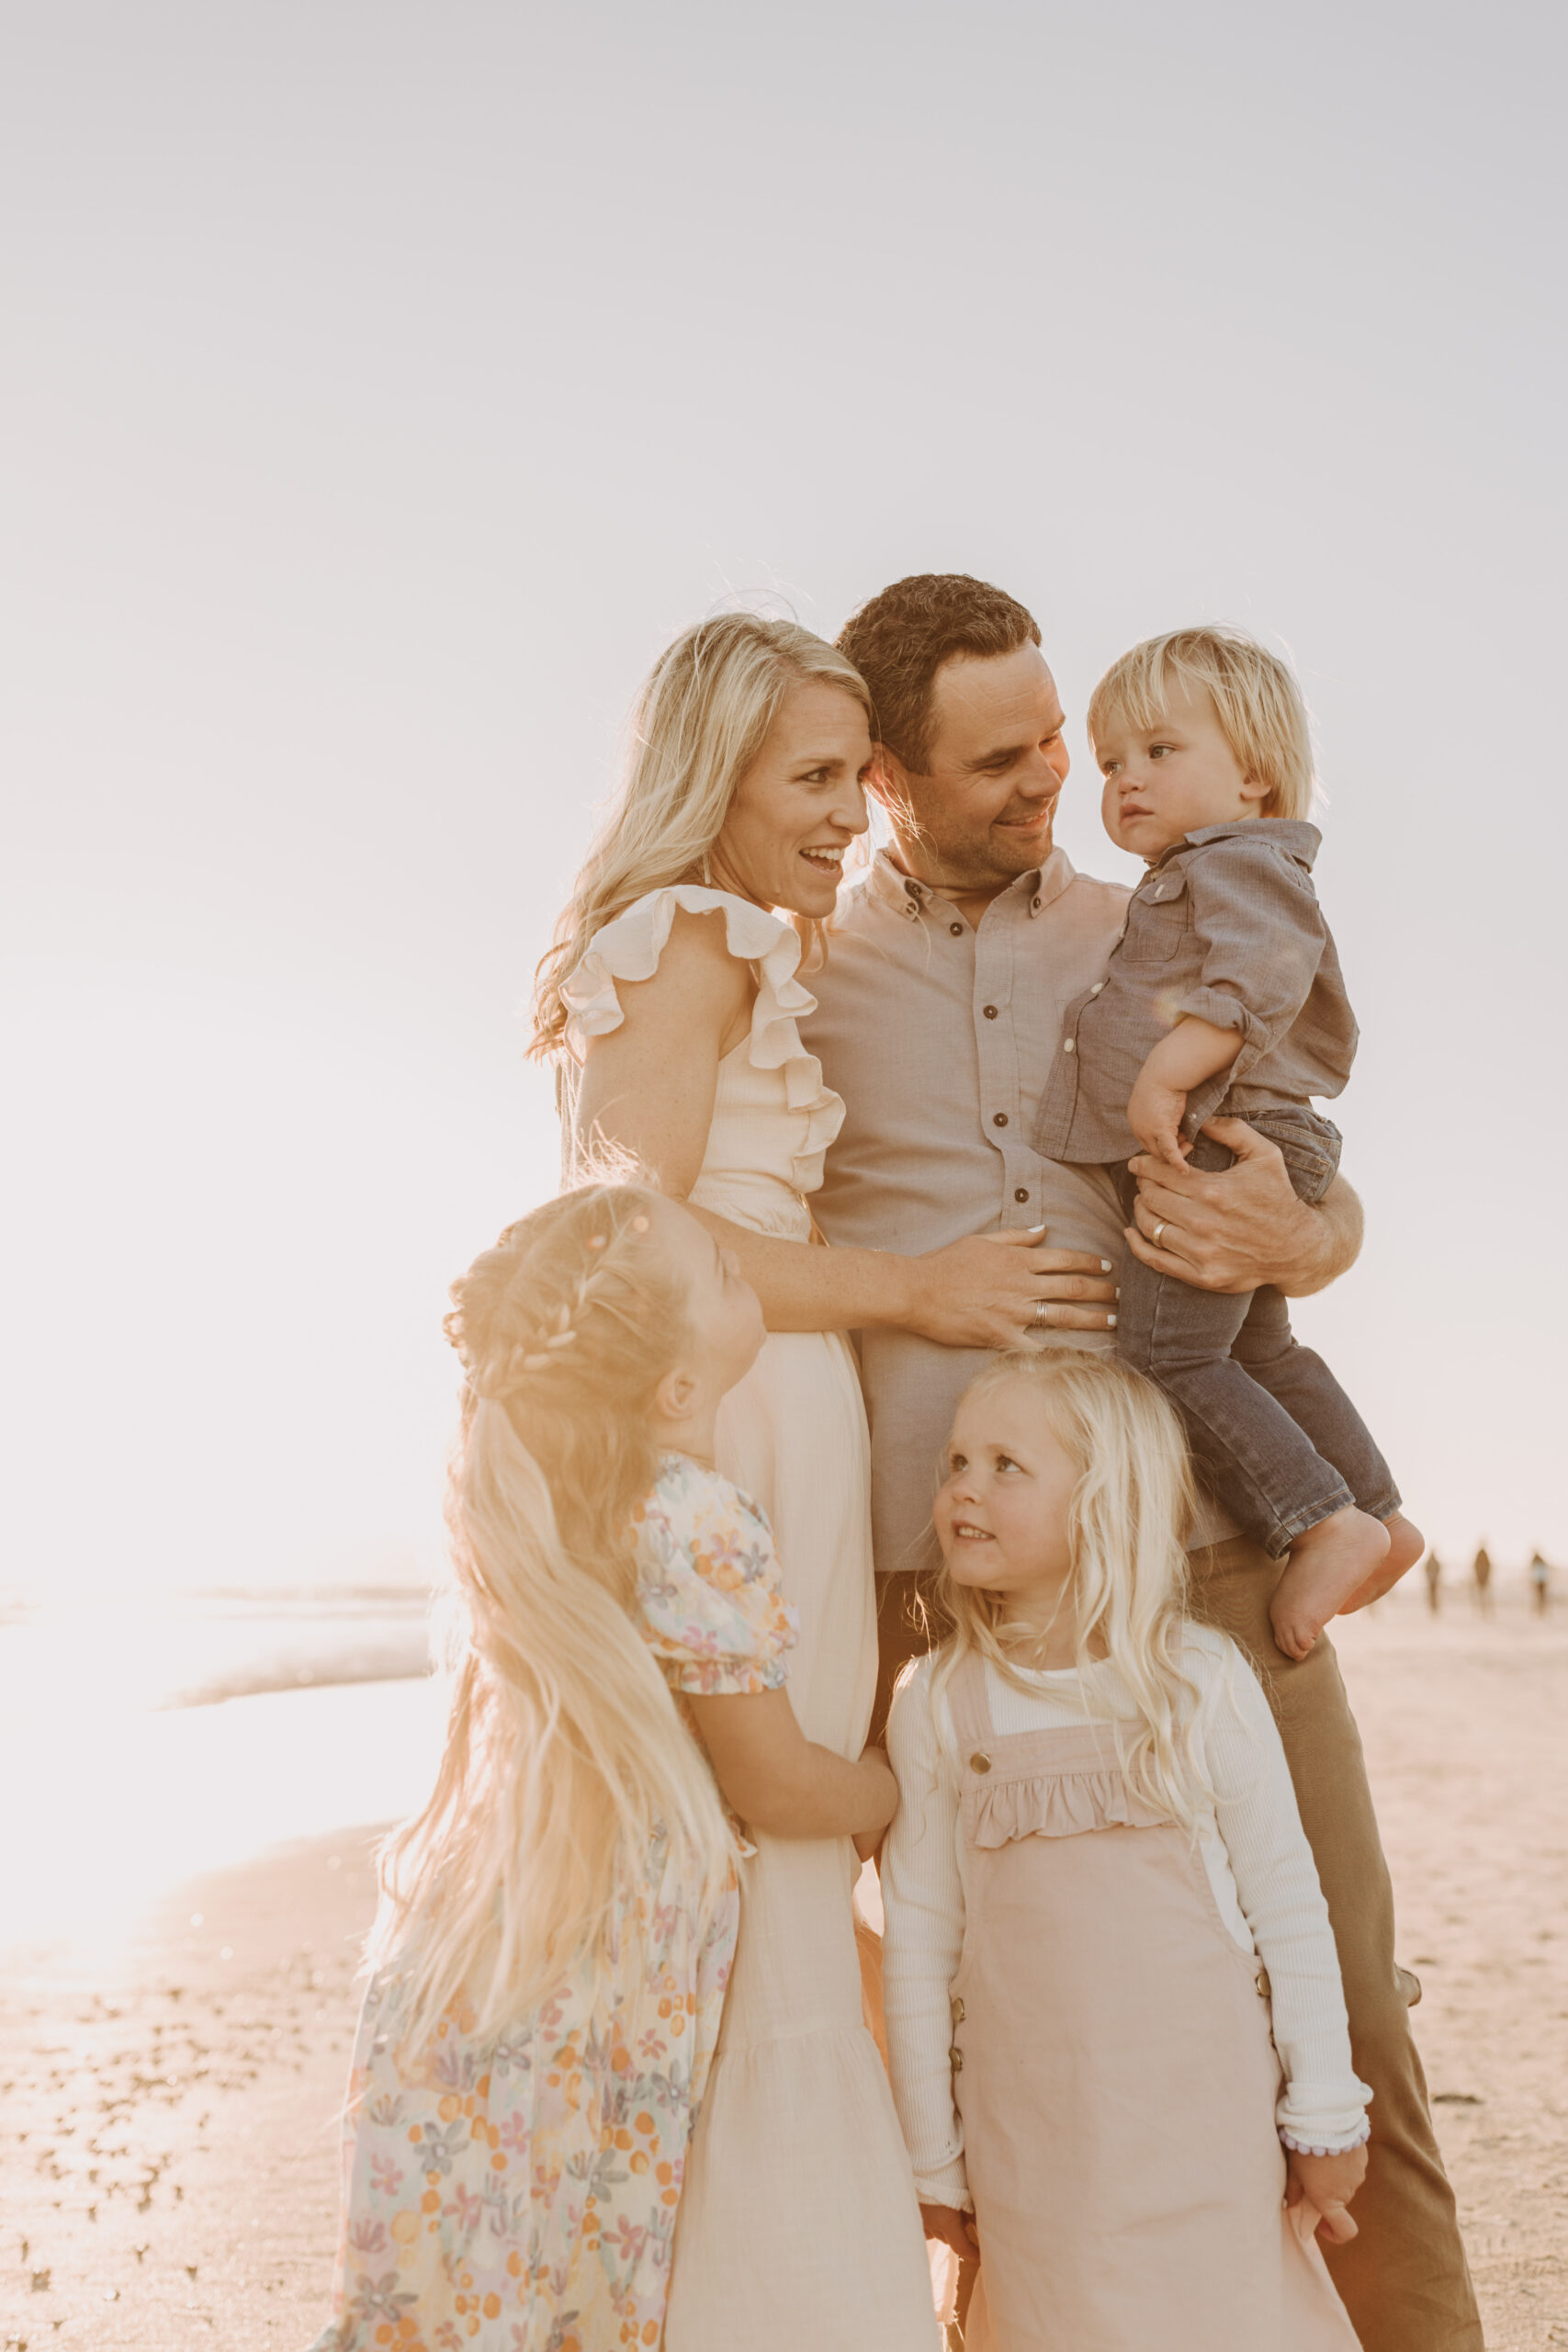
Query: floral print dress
pixel 520 2195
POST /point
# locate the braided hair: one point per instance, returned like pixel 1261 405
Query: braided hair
pixel 565 1758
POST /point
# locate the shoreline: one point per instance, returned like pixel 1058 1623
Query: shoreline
pixel 168 2142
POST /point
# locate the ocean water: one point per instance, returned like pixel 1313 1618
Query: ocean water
pixel 142 1742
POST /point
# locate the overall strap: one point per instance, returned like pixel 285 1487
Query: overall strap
pixel 971 1706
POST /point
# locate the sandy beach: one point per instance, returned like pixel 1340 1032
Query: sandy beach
pixel 168 2158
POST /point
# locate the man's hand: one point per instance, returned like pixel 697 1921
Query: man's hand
pixel 946 2224
pixel 1242 1227
pixel 983 1292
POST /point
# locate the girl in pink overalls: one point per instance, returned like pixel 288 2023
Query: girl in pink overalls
pixel 1115 2023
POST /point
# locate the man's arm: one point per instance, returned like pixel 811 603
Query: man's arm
pixel 1242 1228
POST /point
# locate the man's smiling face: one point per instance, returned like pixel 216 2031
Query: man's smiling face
pixel 981 813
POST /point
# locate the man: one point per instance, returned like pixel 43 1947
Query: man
pixel 939 1011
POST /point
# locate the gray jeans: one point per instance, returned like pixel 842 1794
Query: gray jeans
pixel 1270 1428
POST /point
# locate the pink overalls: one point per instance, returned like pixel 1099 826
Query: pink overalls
pixel 1115 2071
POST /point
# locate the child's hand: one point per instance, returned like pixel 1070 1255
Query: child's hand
pixel 1155 1113
pixel 953 2228
pixel 1327 2184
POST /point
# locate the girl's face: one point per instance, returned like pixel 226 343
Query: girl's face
pixel 1001 1515
pixel 724 1314
pixel 799 805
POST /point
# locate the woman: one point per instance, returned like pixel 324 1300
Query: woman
pixel 670 1001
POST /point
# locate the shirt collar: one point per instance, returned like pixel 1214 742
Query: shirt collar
pixel 1295 838
pixel 1037 889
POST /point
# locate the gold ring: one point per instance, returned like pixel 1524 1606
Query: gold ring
pixel 1154 1235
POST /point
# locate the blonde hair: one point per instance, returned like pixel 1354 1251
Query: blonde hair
pixel 1256 699
pixel 1129 1518
pixel 565 1757
pixel 700 721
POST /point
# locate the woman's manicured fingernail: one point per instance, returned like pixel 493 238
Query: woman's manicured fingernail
pixel 1105 1265
pixel 1110 1322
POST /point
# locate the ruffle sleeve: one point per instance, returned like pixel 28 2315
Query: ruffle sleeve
pixel 713 1607
pixel 629 948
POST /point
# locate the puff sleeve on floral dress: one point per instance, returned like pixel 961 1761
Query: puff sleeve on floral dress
pixel 712 1603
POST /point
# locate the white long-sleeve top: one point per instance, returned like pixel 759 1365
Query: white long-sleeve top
pixel 1253 1849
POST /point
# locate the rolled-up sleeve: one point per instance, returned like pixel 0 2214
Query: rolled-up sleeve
pixel 1263 936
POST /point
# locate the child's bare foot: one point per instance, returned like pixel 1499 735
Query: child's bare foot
pixel 1406 1545
pixel 1327 1565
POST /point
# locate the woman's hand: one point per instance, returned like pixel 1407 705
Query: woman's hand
pixel 983 1292
pixel 951 2227
pixel 1327 2184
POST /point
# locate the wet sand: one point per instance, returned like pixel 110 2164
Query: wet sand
pixel 168 2155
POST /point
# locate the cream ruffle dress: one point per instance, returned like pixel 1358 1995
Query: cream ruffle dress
pixel 797 2224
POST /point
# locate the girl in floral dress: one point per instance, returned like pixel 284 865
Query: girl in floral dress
pixel 556 1925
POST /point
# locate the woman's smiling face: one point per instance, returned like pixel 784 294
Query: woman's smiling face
pixel 799 804
pixel 1003 1514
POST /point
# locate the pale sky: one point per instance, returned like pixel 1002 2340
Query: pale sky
pixel 382 385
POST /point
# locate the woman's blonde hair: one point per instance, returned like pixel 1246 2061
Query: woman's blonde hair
pixel 1130 1515
pixel 1256 699
pixel 565 1757
pixel 700 721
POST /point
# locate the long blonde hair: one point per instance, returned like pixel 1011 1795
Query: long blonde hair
pixel 1129 1518
pixel 565 1757
pixel 700 721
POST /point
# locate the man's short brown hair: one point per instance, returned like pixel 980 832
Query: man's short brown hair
pixel 902 638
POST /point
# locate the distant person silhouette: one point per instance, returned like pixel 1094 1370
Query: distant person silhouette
pixel 1434 1582
pixel 1540 1584
pixel 1482 1571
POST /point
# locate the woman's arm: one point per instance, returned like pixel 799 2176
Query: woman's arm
pixel 783 1783
pixel 648 1087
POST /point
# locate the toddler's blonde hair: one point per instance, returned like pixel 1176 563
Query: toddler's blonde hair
pixel 700 721
pixel 1130 1515
pixel 565 1757
pixel 1256 699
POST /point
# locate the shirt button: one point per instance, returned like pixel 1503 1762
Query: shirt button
pixel 956 928
pixel 978 1763
pixel 989 1011
pixel 998 1119
pixel 1068 1046
pixel 1022 1194
pixel 1097 986
pixel 1159 893
pixel 958 2008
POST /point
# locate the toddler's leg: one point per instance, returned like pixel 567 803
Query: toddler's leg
pixel 1263 1467
pixel 1323 1556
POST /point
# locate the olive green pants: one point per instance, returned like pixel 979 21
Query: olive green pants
pixel 1404 2279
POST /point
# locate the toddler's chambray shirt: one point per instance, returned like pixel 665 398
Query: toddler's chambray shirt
pixel 1225 926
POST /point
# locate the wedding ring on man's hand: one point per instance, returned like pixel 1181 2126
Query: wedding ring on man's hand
pixel 1158 1230
pixel 1042 1314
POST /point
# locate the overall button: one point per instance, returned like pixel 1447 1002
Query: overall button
pixel 956 2055
pixel 958 2010
pixel 978 1763
pixel 1035 904
pixel 1261 1981
pixel 998 1119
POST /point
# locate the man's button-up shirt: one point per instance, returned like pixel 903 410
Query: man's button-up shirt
pixel 940 1035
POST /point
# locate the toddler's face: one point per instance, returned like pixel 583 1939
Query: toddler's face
pixel 1162 782
pixel 1002 1514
